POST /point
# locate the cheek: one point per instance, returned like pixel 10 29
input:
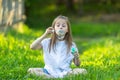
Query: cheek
pixel 56 28
pixel 66 29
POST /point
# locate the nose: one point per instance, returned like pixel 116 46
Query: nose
pixel 61 27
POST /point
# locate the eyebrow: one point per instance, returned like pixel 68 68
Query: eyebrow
pixel 58 23
pixel 64 24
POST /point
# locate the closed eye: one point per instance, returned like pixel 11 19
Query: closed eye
pixel 63 25
pixel 58 25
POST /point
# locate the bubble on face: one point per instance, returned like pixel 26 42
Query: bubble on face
pixel 60 32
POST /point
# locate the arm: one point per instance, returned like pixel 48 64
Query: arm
pixel 76 59
pixel 36 44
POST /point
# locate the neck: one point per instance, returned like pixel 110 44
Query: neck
pixel 60 38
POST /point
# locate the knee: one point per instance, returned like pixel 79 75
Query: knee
pixel 79 71
pixel 84 71
pixel 29 70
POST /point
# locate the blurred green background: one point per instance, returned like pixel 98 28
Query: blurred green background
pixel 95 27
pixel 40 13
pixel 89 18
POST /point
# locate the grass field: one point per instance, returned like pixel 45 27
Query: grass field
pixel 98 44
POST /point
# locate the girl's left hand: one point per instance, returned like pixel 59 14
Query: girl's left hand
pixel 76 59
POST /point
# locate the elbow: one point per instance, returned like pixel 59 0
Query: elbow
pixel 34 47
pixel 31 47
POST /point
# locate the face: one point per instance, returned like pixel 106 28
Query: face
pixel 61 25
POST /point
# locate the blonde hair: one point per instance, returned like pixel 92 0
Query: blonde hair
pixel 67 38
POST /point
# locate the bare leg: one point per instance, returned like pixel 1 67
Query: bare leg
pixel 38 72
pixel 78 71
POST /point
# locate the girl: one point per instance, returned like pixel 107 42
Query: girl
pixel 59 50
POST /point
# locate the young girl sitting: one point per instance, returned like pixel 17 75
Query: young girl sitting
pixel 59 51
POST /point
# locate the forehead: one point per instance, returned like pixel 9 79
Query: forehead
pixel 61 21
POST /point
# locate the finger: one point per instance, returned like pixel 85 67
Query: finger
pixel 50 28
pixel 49 31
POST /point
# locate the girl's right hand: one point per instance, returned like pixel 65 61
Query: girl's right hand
pixel 49 30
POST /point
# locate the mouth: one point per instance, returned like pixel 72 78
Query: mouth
pixel 60 32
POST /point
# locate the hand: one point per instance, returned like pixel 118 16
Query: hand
pixel 76 59
pixel 76 55
pixel 49 30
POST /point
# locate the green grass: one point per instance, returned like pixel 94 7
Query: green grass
pixel 99 55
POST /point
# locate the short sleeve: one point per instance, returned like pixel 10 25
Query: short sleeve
pixel 45 42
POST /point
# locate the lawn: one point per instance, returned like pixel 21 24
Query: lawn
pixel 98 44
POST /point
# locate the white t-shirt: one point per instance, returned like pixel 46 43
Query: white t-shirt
pixel 57 62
